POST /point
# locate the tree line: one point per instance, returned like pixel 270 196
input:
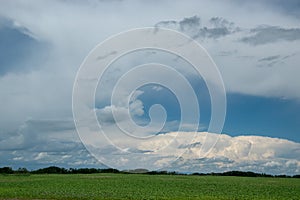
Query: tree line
pixel 57 170
pixel 61 170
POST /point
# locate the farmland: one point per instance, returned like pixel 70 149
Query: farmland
pixel 141 186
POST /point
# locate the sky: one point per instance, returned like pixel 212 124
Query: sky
pixel 253 44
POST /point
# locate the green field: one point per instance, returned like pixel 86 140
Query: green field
pixel 139 186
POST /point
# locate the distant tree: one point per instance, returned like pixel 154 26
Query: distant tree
pixel 157 172
pixel 109 170
pixel 198 174
pixel 22 171
pixel 6 170
pixel 51 170
pixel 86 171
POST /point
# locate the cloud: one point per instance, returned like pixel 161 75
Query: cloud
pixel 42 135
pixel 270 61
pixel 36 94
pixel 254 153
pixel 270 34
pixel 157 88
pixel 17 46
pixel 120 109
pixel 50 142
pixel 269 58
pixel 97 20
pixel 105 115
pixel 222 39
pixel 190 22
pixel 40 143
pixel 218 27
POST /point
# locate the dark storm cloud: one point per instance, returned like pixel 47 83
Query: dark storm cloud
pixel 43 135
pixel 270 34
pixel 45 142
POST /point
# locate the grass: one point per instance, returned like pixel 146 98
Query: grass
pixel 139 186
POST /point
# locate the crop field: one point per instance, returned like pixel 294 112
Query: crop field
pixel 140 186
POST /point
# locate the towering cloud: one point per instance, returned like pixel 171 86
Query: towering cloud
pixel 246 153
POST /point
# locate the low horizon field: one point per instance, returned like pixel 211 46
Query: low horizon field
pixel 141 186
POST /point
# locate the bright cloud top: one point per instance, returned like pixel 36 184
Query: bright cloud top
pixel 246 153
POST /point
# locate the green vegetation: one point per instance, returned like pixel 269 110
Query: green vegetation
pixel 144 186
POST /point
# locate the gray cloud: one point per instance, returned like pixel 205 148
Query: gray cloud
pixel 270 61
pixel 43 135
pixel 218 27
pixel 33 160
pixel 270 34
pixel 40 143
pixel 17 46
pixel 190 23
pixel 269 58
